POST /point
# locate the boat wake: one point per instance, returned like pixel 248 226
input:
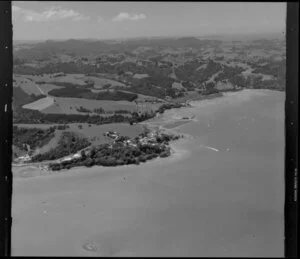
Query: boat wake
pixel 211 148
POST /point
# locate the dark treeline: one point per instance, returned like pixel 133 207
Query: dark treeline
pixel 274 68
pixel 82 109
pixel 100 110
pixel 148 89
pixel 87 84
pixel 158 85
pixel 209 89
pixel 28 116
pixel 76 91
pixel 168 106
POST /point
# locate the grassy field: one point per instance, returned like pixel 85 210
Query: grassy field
pixel 78 79
pixel 69 105
pixel 139 76
pixel 95 132
pixel 40 104
pixel 100 82
pixel 26 84
pixel 177 85
pixel 48 87
pixel 92 132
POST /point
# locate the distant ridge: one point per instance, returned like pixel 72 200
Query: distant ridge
pixel 96 47
pixel 86 47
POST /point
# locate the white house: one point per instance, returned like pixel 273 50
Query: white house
pixel 67 159
pixel 24 158
pixel 76 156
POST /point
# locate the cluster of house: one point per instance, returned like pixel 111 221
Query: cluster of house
pixel 150 139
pixel 112 134
pixel 71 157
pixel 44 168
pixel 22 159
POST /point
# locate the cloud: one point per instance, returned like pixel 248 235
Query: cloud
pixel 55 13
pixel 126 16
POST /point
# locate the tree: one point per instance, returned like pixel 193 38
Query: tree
pixel 93 153
pixel 210 85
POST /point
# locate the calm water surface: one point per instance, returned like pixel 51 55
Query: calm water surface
pixel 206 203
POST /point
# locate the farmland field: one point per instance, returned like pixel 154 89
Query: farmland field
pixel 100 82
pixel 48 87
pixel 95 132
pixel 40 104
pixel 69 105
pixel 26 84
pixel 139 76
pixel 77 79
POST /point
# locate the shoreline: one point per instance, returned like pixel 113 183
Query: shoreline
pixel 36 168
pixel 158 123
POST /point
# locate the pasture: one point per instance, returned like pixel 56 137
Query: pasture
pixel 27 85
pixel 140 76
pixel 177 85
pixel 93 132
pixel 101 82
pixel 45 88
pixel 78 79
pixel 70 105
pixel 40 104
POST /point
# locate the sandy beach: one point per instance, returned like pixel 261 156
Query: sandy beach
pixel 220 193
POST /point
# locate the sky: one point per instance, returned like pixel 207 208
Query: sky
pixel 116 20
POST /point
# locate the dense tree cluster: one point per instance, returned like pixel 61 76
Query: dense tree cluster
pixel 85 93
pixel 69 143
pixel 188 85
pixel 158 85
pixel 274 68
pixel 122 111
pixel 32 137
pixel 278 70
pixel 229 73
pixel 148 89
pixel 82 109
pixel 62 127
pixel 168 106
pixel 210 91
pixel 99 110
pixel 194 72
pixel 118 154
pixel 88 84
pixel 102 111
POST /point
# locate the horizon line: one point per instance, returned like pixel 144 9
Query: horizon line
pixel 158 36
